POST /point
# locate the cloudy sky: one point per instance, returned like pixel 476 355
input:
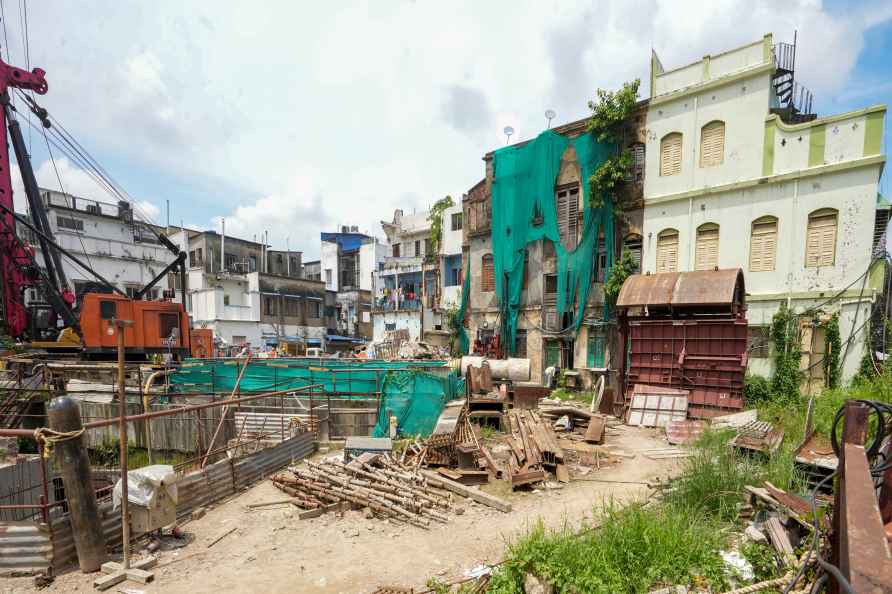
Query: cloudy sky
pixel 297 117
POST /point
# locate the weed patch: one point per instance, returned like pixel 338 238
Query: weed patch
pixel 634 549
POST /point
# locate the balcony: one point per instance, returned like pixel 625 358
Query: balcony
pixel 384 305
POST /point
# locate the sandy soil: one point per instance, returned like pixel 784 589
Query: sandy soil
pixel 272 551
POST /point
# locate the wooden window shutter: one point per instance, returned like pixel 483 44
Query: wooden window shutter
pixel 820 239
pixel 670 154
pixel 706 255
pixel 667 251
pixel 488 278
pixel 712 144
pixel 763 244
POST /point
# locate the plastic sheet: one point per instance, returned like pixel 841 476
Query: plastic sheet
pixel 145 484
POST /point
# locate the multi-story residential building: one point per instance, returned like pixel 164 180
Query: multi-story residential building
pixel 541 336
pixel 740 173
pixel 312 270
pixel 121 248
pixel 248 293
pixel 417 283
pixel 347 261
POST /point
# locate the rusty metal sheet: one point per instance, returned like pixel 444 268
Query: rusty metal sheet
pixel 24 547
pixel 647 289
pixel 698 287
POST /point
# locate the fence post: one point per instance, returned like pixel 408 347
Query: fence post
pixel 74 464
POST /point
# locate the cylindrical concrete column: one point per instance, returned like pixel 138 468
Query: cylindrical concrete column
pixel 74 464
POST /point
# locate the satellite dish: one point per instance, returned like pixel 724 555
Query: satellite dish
pixel 508 132
pixel 549 115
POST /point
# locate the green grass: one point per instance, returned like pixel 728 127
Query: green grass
pixel 677 541
pixel 565 394
pixel 634 549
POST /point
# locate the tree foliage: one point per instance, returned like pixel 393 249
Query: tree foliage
pixel 436 219
pixel 611 110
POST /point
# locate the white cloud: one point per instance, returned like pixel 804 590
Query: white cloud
pixel 303 117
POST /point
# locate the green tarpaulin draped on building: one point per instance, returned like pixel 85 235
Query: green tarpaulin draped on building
pixel 523 211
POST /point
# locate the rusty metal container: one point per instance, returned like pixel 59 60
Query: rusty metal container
pixel 687 331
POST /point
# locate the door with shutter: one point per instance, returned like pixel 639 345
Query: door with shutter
pixel 667 251
pixel 670 154
pixel 712 144
pixel 706 254
pixel 820 241
pixel 763 245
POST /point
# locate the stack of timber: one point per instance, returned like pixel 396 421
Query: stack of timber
pixel 534 449
pixel 455 449
pixel 379 483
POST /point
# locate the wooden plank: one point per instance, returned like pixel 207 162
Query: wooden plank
pixel 107 581
pixel 779 539
pixel 140 575
pixel 595 431
pixel 465 491
pixel 114 566
pixel 562 474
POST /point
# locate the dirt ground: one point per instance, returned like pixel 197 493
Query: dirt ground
pixel 272 551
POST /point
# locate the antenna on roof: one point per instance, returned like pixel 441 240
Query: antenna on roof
pixel 549 115
pixel 508 132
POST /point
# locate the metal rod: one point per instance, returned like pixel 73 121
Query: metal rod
pixel 120 326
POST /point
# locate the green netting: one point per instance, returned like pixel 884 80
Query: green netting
pixel 523 211
pixel 416 399
pixel 463 342
pixel 354 377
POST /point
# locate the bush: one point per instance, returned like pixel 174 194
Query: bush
pixel 634 550
pixel 756 390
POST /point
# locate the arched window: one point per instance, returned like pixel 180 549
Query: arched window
pixel 820 238
pixel 763 244
pixel 632 242
pixel 706 254
pixel 670 154
pixel 712 144
pixel 487 274
pixel 667 250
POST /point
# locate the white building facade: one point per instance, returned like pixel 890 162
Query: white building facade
pixel 417 283
pixel 106 237
pixel 737 176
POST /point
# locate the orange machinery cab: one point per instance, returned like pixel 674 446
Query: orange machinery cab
pixel 158 326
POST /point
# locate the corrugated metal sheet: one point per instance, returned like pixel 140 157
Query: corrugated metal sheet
pixel 25 547
pixel 700 287
pixel 196 489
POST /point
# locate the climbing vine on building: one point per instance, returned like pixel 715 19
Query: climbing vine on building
pixel 621 270
pixel 610 113
pixel 787 354
pixel 436 219
pixel 834 344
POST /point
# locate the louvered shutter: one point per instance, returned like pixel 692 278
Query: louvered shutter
pixel 487 280
pixel 670 154
pixel 667 252
pixel 820 241
pixel 763 246
pixel 707 250
pixel 712 144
